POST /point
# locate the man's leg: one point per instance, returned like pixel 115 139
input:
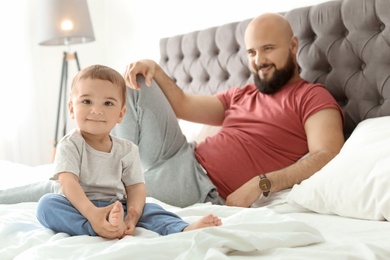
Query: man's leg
pixel 151 124
pixel 172 173
pixel 28 193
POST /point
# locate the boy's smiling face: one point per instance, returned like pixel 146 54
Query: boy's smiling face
pixel 96 105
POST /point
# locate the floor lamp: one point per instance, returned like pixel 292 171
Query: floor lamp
pixel 62 104
pixel 64 22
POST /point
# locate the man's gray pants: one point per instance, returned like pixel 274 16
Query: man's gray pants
pixel 172 172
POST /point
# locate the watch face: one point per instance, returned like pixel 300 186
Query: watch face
pixel 265 184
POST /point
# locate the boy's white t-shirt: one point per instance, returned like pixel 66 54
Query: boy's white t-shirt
pixel 103 176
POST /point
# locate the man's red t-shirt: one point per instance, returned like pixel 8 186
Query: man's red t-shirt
pixel 261 133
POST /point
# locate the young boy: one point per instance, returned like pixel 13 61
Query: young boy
pixel 101 175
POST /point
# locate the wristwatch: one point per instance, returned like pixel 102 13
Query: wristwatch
pixel 264 184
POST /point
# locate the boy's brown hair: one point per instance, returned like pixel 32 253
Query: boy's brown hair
pixel 103 73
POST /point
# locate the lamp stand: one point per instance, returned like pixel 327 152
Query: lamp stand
pixel 62 95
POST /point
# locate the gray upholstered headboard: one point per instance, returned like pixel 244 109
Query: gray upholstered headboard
pixel 344 45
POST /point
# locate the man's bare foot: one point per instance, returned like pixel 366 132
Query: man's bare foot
pixel 115 217
pixel 206 221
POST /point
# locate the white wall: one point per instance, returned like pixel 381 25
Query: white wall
pixel 125 30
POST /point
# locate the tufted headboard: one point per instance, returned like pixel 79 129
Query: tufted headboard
pixel 344 45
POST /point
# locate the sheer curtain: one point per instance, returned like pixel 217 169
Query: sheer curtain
pixel 18 106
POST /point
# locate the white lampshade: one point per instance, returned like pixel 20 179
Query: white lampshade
pixel 64 22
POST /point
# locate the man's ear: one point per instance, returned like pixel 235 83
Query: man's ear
pixel 294 44
pixel 122 114
pixel 71 110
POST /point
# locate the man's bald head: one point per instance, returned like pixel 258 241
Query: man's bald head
pixel 270 23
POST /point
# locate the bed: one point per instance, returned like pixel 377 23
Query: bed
pixel 341 212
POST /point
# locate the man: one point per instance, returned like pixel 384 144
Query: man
pixel 266 127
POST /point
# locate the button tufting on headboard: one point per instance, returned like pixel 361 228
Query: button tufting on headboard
pixel 344 45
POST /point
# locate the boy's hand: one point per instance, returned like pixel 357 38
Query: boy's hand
pixel 101 225
pixel 131 220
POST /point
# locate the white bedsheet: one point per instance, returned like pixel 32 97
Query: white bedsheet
pixel 274 231
pixel 244 232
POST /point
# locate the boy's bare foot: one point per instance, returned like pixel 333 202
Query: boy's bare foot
pixel 206 221
pixel 116 215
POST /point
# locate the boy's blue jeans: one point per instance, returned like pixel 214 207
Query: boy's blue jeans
pixel 54 211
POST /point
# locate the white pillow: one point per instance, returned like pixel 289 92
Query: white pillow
pixel 356 183
pixel 195 132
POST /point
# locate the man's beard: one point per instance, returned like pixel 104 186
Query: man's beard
pixel 279 78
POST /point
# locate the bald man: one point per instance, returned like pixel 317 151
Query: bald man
pixel 266 127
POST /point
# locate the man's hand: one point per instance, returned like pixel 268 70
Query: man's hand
pixel 246 195
pixel 147 68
